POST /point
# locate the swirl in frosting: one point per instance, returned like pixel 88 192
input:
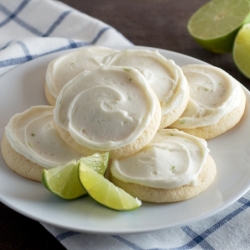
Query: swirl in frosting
pixel 172 159
pixel 65 67
pixel 213 94
pixel 107 108
pixel 33 134
pixel 163 75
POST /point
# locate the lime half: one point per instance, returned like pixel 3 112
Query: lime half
pixel 105 192
pixel 241 50
pixel 64 182
pixel 215 25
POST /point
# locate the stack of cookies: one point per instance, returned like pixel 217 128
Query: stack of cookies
pixel 151 115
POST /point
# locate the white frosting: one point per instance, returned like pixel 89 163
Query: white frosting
pixel 164 76
pixel 213 94
pixel 107 108
pixel 172 159
pixel 33 134
pixel 65 67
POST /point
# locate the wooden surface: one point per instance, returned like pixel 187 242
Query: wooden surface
pixel 154 23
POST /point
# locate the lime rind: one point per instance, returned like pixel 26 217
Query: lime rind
pixel 215 25
pixel 105 192
pixel 219 46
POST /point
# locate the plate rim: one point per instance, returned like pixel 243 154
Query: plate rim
pixel 10 204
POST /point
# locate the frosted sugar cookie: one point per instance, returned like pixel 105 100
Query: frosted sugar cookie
pixel 163 75
pixel 174 166
pixel 65 67
pixel 217 102
pixel 108 109
pixel 31 143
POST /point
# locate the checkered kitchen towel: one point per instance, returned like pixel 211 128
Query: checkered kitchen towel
pixel 29 29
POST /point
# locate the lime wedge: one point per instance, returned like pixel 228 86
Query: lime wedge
pixel 105 192
pixel 241 50
pixel 63 181
pixel 215 25
pixel 97 161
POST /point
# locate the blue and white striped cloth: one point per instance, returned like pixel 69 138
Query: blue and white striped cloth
pixel 29 29
pixel 32 28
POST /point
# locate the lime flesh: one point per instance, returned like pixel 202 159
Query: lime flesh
pixel 105 192
pixel 215 25
pixel 97 161
pixel 64 182
pixel 241 50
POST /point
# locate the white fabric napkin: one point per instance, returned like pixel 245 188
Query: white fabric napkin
pixel 30 29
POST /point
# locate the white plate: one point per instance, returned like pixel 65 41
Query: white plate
pixel 24 86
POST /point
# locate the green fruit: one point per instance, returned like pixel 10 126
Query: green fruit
pixel 63 181
pixel 215 25
pixel 105 192
pixel 241 50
